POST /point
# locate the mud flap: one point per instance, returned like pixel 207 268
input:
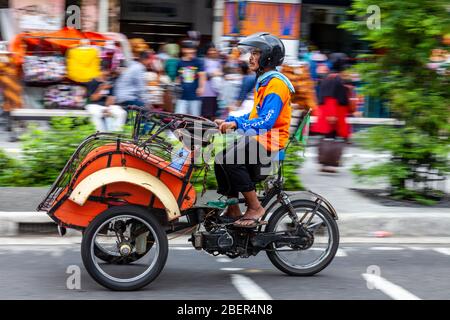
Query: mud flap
pixel 129 175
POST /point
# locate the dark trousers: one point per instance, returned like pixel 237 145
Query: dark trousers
pixel 209 107
pixel 240 165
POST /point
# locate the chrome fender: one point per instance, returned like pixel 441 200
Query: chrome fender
pixel 314 197
pixel 130 175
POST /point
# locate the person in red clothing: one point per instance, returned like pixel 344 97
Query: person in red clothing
pixel 334 105
pixel 265 130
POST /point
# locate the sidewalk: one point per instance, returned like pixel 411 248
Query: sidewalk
pixel 358 215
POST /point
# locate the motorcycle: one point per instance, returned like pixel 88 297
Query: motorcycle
pixel 126 194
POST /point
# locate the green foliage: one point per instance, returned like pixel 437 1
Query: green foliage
pixel 415 94
pixel 45 152
pixel 292 164
pixel 10 169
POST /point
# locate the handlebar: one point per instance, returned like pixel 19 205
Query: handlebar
pixel 167 117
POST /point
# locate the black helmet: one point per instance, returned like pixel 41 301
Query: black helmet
pixel 272 48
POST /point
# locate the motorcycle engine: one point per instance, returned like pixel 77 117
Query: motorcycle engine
pixel 219 240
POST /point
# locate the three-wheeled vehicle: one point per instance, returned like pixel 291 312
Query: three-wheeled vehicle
pixel 126 194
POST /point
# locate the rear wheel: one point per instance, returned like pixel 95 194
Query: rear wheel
pixel 314 257
pixel 114 257
pixel 124 248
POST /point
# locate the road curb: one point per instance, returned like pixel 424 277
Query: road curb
pixel 405 224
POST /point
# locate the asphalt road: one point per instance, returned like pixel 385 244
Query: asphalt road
pixel 360 271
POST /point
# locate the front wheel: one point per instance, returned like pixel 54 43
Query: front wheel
pixel 312 258
pixel 124 232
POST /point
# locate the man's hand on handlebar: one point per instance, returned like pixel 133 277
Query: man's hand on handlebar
pixel 219 122
pixel 226 126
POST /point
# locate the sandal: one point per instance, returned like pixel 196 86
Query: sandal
pixel 256 223
pixel 227 219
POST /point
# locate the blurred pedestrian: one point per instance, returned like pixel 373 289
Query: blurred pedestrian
pixel 131 85
pixel 244 100
pixel 232 78
pixel 171 63
pixel 158 95
pixel 106 115
pixel 319 67
pixel 334 107
pixel 191 77
pixel 213 71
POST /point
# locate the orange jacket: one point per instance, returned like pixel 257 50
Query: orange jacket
pixel 270 117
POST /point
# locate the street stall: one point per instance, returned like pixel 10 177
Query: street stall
pixel 9 82
pixel 47 72
pixel 55 66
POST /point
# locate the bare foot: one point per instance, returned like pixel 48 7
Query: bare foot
pixel 251 217
pixel 233 211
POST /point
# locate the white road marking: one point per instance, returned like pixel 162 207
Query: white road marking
pixel 417 248
pixel 445 251
pixel 396 241
pixel 339 253
pixel 57 253
pixel 181 248
pixel 386 248
pixel 392 290
pixel 224 259
pixel 232 269
pixel 248 288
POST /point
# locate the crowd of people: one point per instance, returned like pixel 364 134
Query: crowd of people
pixel 175 79
pixel 214 84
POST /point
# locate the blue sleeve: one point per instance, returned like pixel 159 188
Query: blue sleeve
pixel 231 118
pixel 269 112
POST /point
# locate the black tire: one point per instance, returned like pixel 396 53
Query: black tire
pixel 282 266
pixel 90 231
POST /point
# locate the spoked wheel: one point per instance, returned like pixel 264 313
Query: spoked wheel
pixel 106 250
pixel 312 257
pixel 124 248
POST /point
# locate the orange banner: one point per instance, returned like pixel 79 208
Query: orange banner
pixel 245 18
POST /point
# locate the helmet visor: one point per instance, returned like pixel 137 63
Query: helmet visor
pixel 244 49
pixel 247 51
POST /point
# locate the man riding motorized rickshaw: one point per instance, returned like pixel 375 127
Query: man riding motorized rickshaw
pixel 265 129
pixel 127 192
